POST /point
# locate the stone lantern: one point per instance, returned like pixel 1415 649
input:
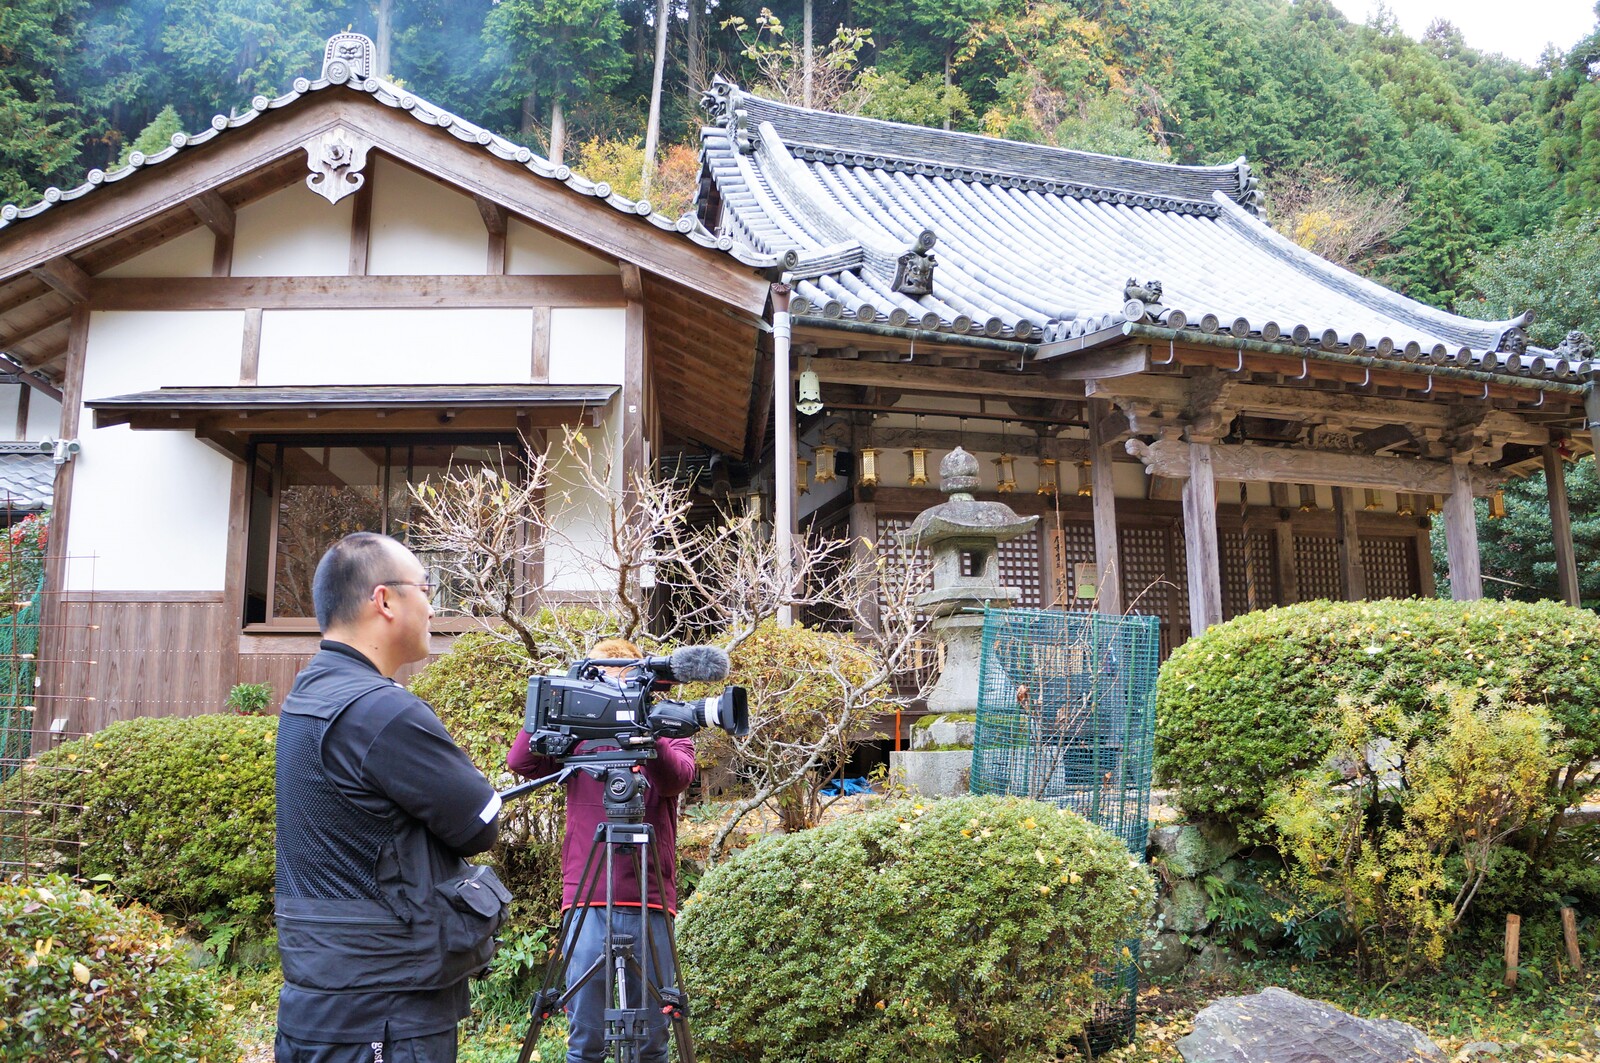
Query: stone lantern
pixel 964 536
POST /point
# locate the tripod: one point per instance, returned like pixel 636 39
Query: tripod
pixel 629 964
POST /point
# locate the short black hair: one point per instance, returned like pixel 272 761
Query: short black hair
pixel 346 575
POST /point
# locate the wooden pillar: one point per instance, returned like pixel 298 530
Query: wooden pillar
pixel 54 676
pixel 1461 535
pixel 1283 546
pixel 1555 479
pixel 1427 587
pixel 1352 576
pixel 633 373
pixel 1591 410
pixel 1200 541
pixel 1107 560
pixel 864 530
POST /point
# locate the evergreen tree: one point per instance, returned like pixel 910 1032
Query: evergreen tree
pixel 41 131
pixel 552 51
pixel 157 136
pixel 1556 274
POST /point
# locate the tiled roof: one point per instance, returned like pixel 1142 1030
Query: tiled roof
pixel 392 95
pixel 27 479
pixel 1039 244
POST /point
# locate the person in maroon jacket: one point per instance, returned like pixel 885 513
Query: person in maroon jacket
pixel 669 775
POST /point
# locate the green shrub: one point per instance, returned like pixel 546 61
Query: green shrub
pixel 944 930
pixel 178 811
pixel 1401 851
pixel 1250 701
pixel 479 690
pixel 82 979
pixel 251 699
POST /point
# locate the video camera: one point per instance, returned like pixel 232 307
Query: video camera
pixel 616 700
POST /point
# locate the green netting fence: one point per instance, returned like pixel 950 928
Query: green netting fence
pixel 19 651
pixel 1066 715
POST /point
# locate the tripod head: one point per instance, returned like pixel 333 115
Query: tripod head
pixel 620 772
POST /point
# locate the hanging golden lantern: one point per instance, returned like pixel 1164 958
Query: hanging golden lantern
pixel 1308 498
pixel 867 475
pixel 1005 473
pixel 917 466
pixel 1049 476
pixel 1085 480
pixel 826 467
pixel 1405 506
pixel 800 480
pixel 1497 505
pixel 1374 499
pixel 1434 508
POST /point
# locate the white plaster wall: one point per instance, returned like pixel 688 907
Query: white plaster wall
pixel 575 556
pixel 188 255
pixel 421 227
pixel 150 509
pixel 9 394
pixel 292 233
pixel 44 416
pixel 533 251
pixel 395 347
pixel 587 346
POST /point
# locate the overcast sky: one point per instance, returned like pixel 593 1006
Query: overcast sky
pixel 1519 30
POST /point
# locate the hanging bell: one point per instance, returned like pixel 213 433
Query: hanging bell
pixel 809 400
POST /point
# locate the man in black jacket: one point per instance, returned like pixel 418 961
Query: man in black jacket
pixel 380 919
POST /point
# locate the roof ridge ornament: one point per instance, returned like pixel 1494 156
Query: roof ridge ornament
pixel 1142 300
pixel 349 57
pixel 718 99
pixel 913 273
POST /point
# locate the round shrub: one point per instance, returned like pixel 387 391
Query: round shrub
pixel 1250 700
pixel 479 691
pixel 944 930
pixel 178 811
pixel 81 978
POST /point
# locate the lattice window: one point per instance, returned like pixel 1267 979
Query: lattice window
pixel 1020 568
pixel 1237 574
pixel 1074 546
pixel 898 553
pixel 1316 563
pixel 1155 580
pixel 1391 567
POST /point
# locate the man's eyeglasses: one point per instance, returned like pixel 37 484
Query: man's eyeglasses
pixel 427 589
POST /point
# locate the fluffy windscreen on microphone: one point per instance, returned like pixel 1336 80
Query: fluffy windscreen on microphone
pixel 699 664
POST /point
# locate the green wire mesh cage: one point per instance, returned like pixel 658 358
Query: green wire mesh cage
pixel 19 648
pixel 1066 715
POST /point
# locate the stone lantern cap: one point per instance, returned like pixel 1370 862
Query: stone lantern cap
pixel 963 518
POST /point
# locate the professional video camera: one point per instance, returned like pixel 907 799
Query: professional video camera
pixel 616 700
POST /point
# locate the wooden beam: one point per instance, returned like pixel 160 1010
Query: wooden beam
pixel 1100 365
pixel 65 276
pixel 1461 536
pixel 29 377
pixel 1064 450
pixel 1107 557
pixel 361 226
pixel 1427 586
pixel 32 332
pixel 54 633
pixel 633 374
pixel 233 589
pixel 213 212
pixel 761 398
pixel 23 392
pixel 1249 463
pixel 917 377
pixel 539 372
pixel 494 221
pixel 1352 576
pixel 1200 541
pixel 250 347
pixel 1555 479
pixel 355 292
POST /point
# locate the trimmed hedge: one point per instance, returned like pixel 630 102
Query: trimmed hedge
pixel 1249 701
pixel 961 929
pixel 178 811
pixel 81 978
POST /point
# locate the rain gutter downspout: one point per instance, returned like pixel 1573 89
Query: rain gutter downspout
pixel 784 455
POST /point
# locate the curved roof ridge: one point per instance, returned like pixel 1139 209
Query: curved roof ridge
pixel 1470 332
pixel 971 156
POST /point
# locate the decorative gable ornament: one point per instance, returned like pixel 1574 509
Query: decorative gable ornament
pixel 336 160
pixel 913 273
pixel 1142 300
pixel 348 57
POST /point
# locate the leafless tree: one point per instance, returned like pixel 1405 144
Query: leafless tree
pixel 1335 217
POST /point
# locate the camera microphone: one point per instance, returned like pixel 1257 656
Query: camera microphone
pixel 691 664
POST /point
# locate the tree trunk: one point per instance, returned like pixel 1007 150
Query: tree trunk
pixel 529 118
pixel 652 134
pixel 696 52
pixel 558 133
pixel 947 53
pixel 385 41
pixel 809 59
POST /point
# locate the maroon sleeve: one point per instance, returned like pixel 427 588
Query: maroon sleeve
pixel 525 762
pixel 673 769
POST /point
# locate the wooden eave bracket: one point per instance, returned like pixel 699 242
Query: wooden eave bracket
pixel 65 276
pixel 213 212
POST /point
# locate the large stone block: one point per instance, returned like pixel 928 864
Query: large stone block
pixel 945 732
pixel 933 773
pixel 1189 850
pixel 1276 1025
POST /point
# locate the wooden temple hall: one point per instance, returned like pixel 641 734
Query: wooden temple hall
pixel 1210 418
pixel 256 339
